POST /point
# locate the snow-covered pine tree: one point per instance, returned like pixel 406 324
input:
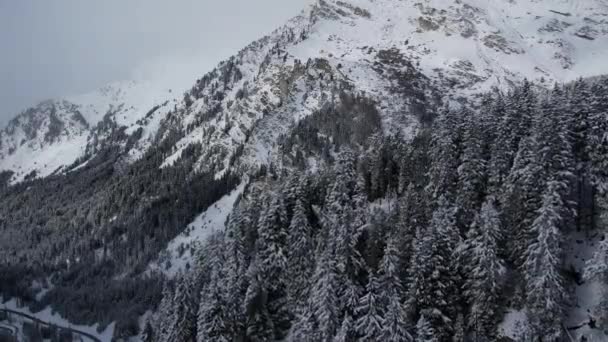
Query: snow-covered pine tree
pixel 596 271
pixel 459 329
pixel 147 334
pixel 445 151
pixel 546 295
pixel 325 297
pixel 412 213
pixel 425 331
pixel 184 311
pixel 597 137
pixel 580 112
pixel 370 321
pixel 165 314
pixel 300 260
pixel 235 271
pixel 596 268
pixel 518 118
pixel 521 199
pixel 395 318
pixel 472 178
pixel 213 322
pixel 347 330
pixel 259 323
pixel 434 286
pixel 305 325
pixel 484 270
pixel 272 255
pixel 556 155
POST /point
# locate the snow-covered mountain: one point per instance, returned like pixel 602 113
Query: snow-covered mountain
pixel 458 48
pixel 55 134
pixel 147 170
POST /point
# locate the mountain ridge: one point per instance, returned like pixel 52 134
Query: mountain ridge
pixel 464 48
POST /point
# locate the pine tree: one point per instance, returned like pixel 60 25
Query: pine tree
pixel 395 318
pixel 412 214
pixel 259 322
pixel 596 271
pixel 521 198
pixel 471 172
pixel 213 318
pixel 580 109
pixel 272 255
pixel 305 326
pixel 300 261
pixel 484 270
pixel 434 285
pixel 165 314
pixel 148 334
pixel 325 297
pixel 597 144
pixel 183 323
pixel 424 331
pixel 370 322
pixel 459 329
pixel 517 123
pixel 546 295
pixel 596 268
pixel 235 271
pixel 446 148
pixel 347 330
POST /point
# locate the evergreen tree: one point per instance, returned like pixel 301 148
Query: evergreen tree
pixel 597 144
pixel 521 198
pixel 596 271
pixel 484 270
pixel 260 326
pixel 395 318
pixel 347 330
pixel 272 254
pixel 148 334
pixel 165 314
pixel 546 295
pixel 183 328
pixel 424 331
pixel 325 298
pixel 370 321
pixel 213 320
pixel 446 148
pixel 580 110
pixel 517 124
pixel 434 285
pixel 305 326
pixel 471 172
pixel 300 261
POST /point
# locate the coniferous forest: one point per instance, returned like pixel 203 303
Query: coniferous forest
pixel 431 238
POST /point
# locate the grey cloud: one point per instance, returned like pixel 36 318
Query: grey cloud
pixel 60 47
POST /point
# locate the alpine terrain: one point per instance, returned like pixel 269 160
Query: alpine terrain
pixel 374 170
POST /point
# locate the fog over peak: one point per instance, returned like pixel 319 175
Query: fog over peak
pixel 63 47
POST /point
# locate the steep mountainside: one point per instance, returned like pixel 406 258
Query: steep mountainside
pixel 97 187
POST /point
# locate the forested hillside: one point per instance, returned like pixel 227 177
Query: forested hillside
pixel 434 238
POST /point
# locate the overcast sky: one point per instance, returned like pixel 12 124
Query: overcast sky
pixel 53 48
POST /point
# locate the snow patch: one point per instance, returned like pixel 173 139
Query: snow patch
pixel 47 315
pixel 178 255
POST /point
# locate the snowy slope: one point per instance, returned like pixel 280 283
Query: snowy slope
pixel 47 315
pixel 461 48
pixel 178 253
